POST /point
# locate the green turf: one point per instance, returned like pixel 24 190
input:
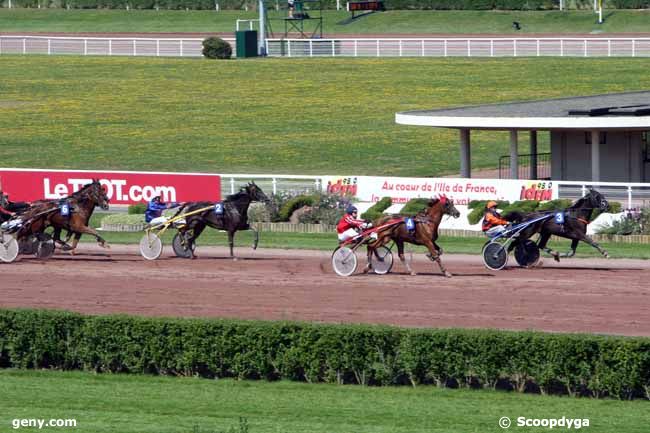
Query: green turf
pixel 281 116
pixel 130 404
pixel 58 20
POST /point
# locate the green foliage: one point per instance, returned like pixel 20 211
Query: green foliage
pixel 216 48
pixel 557 204
pixel 633 223
pixel 361 354
pixel 326 209
pixel 377 209
pixel 414 206
pixel 122 218
pixel 478 209
pixel 139 208
pixel 293 204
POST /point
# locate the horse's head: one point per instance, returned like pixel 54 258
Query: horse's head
pixel 98 194
pixel 597 200
pixel 446 205
pixel 255 193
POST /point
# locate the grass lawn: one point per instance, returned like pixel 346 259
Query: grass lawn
pixel 133 403
pixel 59 20
pixel 279 116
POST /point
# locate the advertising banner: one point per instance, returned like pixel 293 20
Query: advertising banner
pixel 122 187
pixel 462 191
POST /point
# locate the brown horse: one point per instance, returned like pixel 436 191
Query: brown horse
pixel 81 204
pixel 425 232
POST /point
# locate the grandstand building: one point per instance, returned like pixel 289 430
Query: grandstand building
pixel 593 138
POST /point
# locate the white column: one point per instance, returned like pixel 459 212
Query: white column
pixel 533 155
pixel 595 156
pixel 514 155
pixel 465 154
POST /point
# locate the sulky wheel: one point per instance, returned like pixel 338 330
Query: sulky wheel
pixel 495 256
pixel 44 247
pixel 8 248
pixel 526 253
pixel 344 261
pixel 381 260
pixel 150 246
pixel 182 247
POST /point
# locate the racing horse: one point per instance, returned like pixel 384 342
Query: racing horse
pixel 423 232
pixel 80 204
pixel 570 224
pixel 230 215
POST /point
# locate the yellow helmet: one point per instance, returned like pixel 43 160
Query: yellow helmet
pixel 491 204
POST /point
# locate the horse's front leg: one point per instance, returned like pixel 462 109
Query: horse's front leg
pixel 231 244
pixel 435 256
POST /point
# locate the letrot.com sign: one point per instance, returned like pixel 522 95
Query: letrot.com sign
pixel 462 191
pixel 121 187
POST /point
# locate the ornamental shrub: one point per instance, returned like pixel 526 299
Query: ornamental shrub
pixel 216 48
pixel 291 205
pixel 414 206
pixel 139 208
pixel 377 210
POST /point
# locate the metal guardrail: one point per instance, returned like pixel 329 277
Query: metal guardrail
pixel 630 195
pixel 461 47
pixel 542 162
pixel 274 184
pixel 344 47
pixel 98 46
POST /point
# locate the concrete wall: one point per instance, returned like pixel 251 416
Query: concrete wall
pixel 621 156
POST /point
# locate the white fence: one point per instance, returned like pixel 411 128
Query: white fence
pixel 461 47
pixel 87 46
pixel 385 47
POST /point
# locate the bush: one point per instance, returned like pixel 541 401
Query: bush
pixel 635 222
pixel 377 210
pixel 414 206
pixel 326 209
pixel 363 354
pixel 291 205
pixel 139 208
pixel 216 48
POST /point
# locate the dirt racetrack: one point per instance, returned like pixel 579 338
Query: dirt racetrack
pixel 577 295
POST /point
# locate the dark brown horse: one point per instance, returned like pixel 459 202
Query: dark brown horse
pixel 81 204
pixel 424 232
pixel 230 215
pixel 571 223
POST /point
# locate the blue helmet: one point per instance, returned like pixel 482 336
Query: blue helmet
pixel 350 209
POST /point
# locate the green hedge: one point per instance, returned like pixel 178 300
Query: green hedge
pixel 363 354
pixel 291 205
pixel 377 210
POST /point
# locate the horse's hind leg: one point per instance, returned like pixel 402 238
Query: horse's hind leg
pixel 400 254
pixel 195 228
pixel 591 242
pixel 543 240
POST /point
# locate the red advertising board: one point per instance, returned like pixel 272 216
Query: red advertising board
pixel 122 187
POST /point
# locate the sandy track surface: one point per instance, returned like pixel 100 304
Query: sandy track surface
pixel 595 295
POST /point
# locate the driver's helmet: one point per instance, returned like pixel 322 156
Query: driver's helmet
pixel 156 199
pixel 491 204
pixel 350 210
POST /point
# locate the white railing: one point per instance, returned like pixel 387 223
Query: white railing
pixel 93 46
pixel 461 47
pixel 274 183
pixel 630 195
pixel 385 47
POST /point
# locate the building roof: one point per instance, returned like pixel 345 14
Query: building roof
pixel 627 111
